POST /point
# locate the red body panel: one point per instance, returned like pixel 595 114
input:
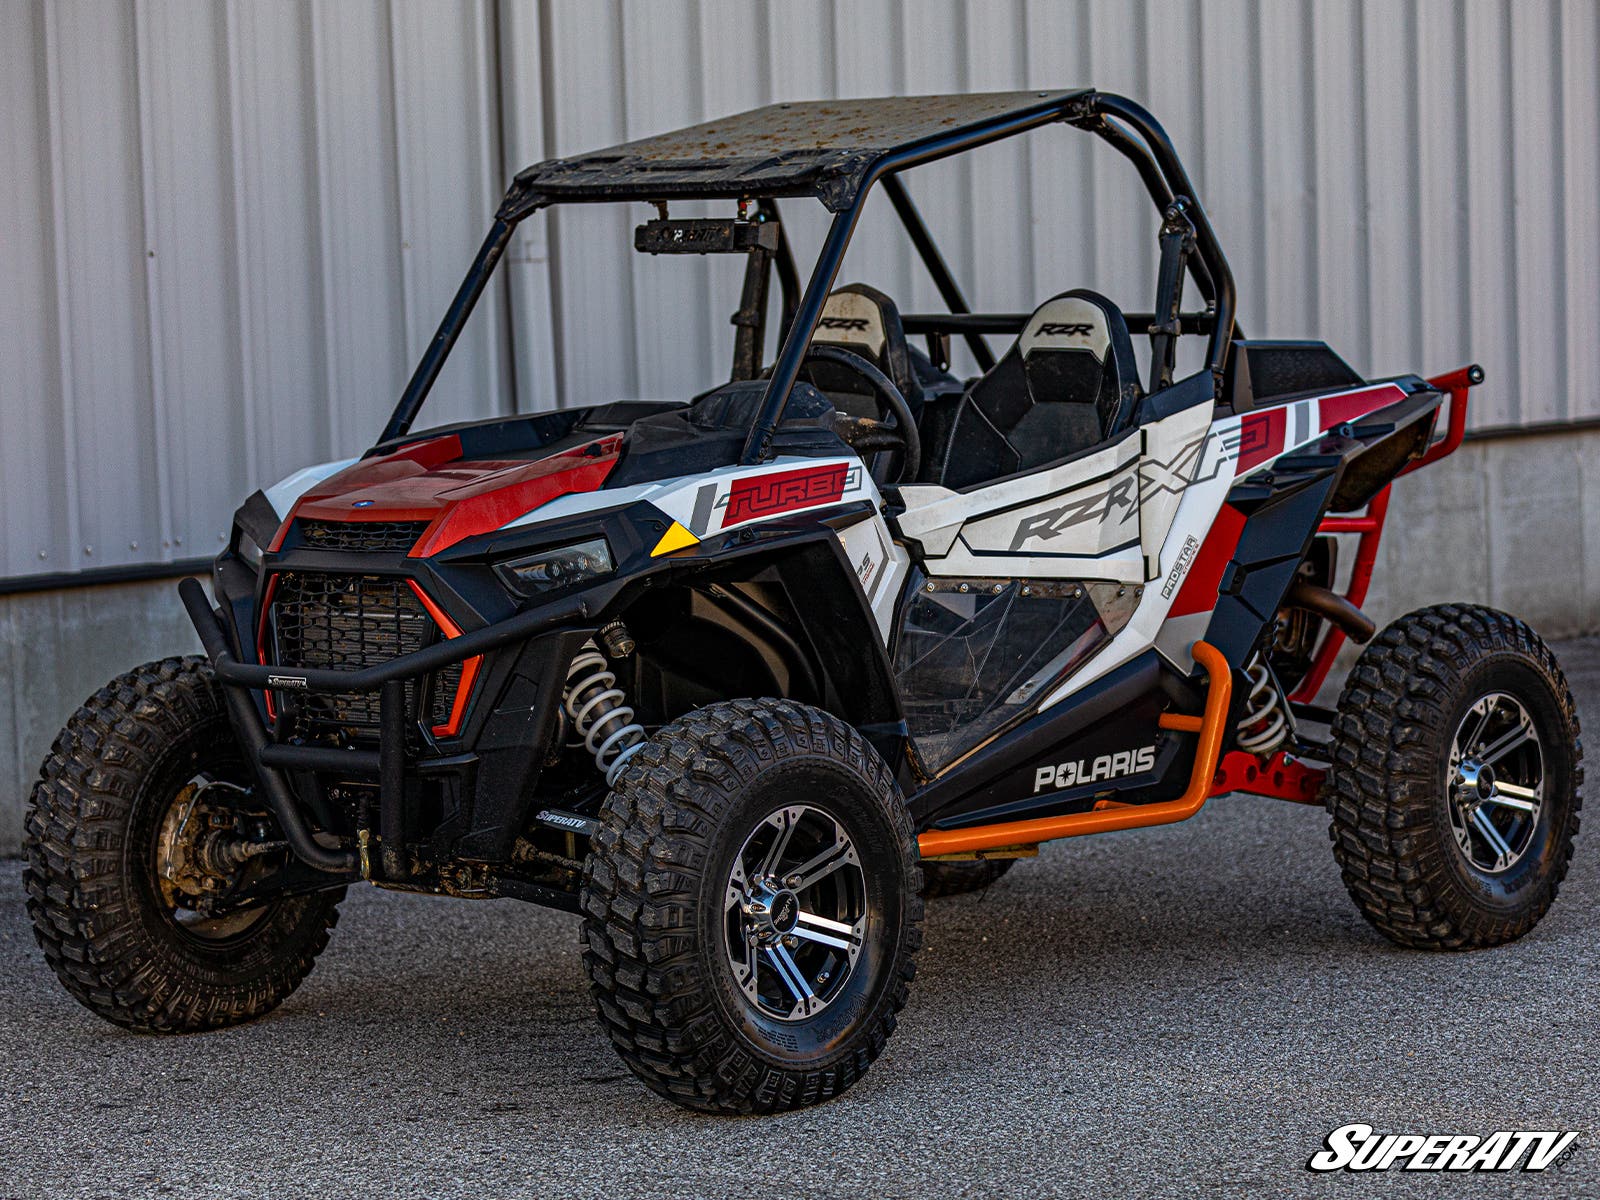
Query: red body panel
pixel 428 481
pixel 1335 410
pixel 1199 591
pixel 1260 438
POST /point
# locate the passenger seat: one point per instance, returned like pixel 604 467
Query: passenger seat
pixel 1068 383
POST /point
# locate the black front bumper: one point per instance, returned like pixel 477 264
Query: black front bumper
pixel 485 837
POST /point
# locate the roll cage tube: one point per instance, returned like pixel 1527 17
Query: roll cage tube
pixel 1208 266
pixel 1156 159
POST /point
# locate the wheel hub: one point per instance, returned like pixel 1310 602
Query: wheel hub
pixel 200 853
pixel 771 909
pixel 1475 780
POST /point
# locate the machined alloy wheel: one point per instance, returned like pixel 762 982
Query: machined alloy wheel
pixel 796 912
pixel 1496 783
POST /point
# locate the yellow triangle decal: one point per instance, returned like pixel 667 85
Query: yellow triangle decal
pixel 675 538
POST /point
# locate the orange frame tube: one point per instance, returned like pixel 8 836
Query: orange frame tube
pixel 1210 727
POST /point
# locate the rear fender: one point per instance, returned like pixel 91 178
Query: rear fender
pixel 1283 507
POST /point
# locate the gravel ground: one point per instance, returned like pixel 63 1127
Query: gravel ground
pixel 1186 1010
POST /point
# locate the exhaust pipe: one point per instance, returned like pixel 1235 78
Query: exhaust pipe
pixel 1331 606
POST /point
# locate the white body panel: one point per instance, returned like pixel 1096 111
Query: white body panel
pixel 285 492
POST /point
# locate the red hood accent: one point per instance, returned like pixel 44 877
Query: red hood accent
pixel 429 481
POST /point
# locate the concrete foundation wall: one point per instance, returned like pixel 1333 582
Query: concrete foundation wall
pixel 59 648
pixel 1513 523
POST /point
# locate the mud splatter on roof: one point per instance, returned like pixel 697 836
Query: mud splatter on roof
pixel 822 148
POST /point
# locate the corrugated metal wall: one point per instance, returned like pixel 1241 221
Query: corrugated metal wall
pixel 230 227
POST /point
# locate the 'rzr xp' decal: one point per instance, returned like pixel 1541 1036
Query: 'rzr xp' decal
pixel 1137 483
pixel 782 491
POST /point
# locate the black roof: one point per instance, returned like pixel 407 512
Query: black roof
pixel 821 148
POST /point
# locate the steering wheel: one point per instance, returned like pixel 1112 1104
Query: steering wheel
pixel 867 434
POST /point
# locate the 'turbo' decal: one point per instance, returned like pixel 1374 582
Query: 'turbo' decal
pixel 780 491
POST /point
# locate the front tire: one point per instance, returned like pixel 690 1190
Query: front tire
pixel 143 779
pixel 1454 789
pixel 751 908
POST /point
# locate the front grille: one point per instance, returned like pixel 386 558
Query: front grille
pixel 344 623
pixel 371 537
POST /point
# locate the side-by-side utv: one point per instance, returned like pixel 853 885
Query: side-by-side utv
pixel 740 678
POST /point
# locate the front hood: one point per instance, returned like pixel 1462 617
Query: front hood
pixel 459 497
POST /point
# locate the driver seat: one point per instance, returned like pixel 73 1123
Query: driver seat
pixel 863 320
pixel 1069 382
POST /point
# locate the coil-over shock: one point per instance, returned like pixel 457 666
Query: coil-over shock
pixel 1267 722
pixel 599 709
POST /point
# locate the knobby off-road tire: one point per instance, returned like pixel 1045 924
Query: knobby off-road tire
pixel 92 827
pixel 1404 828
pixel 958 878
pixel 667 897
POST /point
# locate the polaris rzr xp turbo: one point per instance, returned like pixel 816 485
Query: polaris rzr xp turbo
pixel 741 678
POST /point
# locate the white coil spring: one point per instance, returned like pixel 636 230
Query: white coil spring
pixel 600 713
pixel 1265 724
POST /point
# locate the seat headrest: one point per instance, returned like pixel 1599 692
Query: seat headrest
pixel 854 318
pixel 1069 322
pixel 861 318
pixel 1075 348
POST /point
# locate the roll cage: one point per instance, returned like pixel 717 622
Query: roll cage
pixel 835 151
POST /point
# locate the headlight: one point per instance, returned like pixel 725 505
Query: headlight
pixel 249 551
pixel 551 570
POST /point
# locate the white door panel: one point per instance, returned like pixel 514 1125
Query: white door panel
pixel 1105 515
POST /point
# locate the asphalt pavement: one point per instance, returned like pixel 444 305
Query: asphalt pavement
pixel 1178 1011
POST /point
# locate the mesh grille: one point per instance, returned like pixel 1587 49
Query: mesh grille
pixel 344 623
pixel 358 536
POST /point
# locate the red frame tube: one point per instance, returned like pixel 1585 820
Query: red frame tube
pixel 1369 525
pixel 1279 777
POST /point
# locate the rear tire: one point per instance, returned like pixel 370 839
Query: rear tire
pixel 1447 709
pixel 751 908
pixel 103 911
pixel 959 878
